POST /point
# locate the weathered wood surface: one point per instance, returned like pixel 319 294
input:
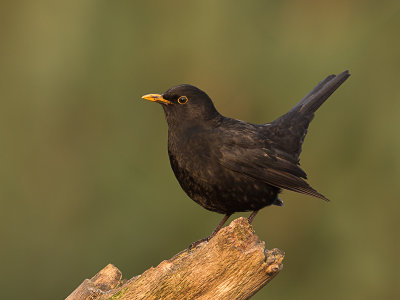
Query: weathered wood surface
pixel 232 265
pixel 107 279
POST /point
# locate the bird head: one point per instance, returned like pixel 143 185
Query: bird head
pixel 185 103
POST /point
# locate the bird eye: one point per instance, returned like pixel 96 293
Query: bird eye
pixel 182 99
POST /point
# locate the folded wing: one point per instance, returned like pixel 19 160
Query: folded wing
pixel 265 165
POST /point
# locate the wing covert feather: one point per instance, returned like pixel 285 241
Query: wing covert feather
pixel 264 165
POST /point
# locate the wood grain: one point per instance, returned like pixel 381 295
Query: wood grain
pixel 232 265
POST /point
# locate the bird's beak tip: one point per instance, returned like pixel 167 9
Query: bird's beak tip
pixel 156 98
pixel 151 97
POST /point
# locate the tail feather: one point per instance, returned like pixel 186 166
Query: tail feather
pixel 313 100
pixel 291 128
pixel 314 90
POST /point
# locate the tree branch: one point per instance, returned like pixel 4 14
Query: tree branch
pixel 232 265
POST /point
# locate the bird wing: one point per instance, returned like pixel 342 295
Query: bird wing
pixel 265 165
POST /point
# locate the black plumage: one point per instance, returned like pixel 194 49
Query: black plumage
pixel 227 165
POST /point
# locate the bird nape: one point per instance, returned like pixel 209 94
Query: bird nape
pixel 228 165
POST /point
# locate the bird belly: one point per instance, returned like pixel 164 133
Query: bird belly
pixel 221 190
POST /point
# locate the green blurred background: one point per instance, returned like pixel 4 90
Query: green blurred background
pixel 85 178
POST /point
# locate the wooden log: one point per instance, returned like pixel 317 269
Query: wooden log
pixel 107 279
pixel 232 265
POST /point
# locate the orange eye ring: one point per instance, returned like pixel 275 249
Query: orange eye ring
pixel 182 99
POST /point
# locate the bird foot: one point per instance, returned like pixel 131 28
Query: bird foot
pixel 226 217
pixel 194 244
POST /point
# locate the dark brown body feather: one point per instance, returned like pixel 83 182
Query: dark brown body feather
pixel 227 165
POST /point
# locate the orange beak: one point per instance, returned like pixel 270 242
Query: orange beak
pixel 156 98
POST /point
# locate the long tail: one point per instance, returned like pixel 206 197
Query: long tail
pixel 291 128
pixel 314 99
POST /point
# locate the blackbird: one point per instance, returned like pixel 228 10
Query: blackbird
pixel 228 165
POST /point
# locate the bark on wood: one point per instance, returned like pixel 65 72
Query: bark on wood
pixel 232 265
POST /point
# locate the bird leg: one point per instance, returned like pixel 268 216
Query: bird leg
pixel 194 244
pixel 251 217
pixel 219 226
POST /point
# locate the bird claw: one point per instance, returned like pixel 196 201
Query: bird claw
pixel 196 243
